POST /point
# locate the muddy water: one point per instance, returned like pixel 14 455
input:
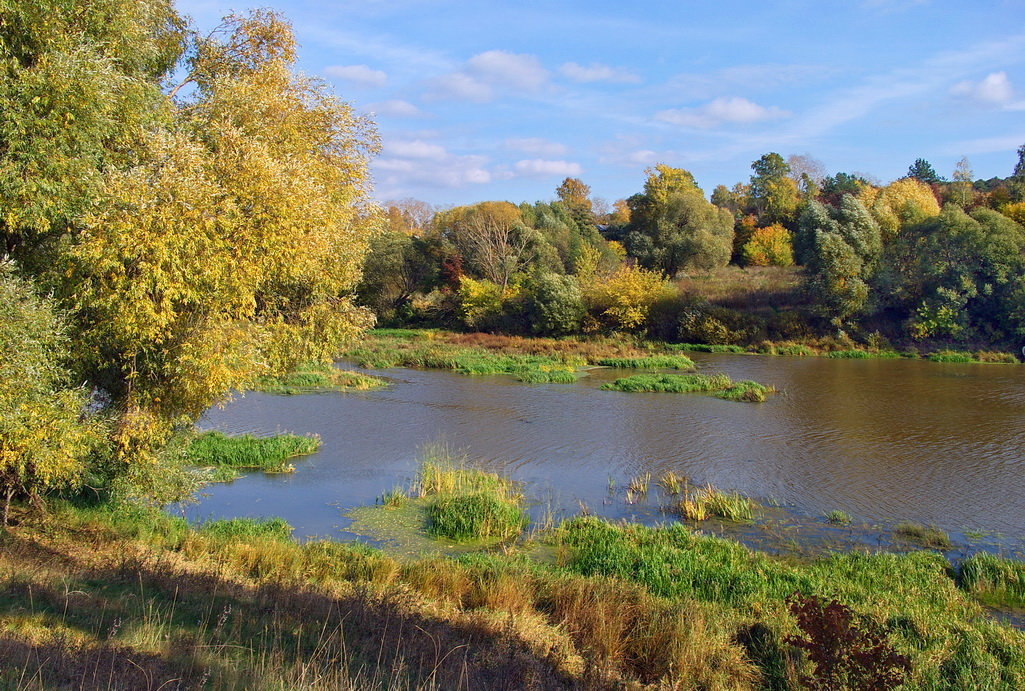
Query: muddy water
pixel 882 440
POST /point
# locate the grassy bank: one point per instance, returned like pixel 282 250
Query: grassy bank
pixel 226 455
pixel 91 594
pixel 316 378
pixel 719 385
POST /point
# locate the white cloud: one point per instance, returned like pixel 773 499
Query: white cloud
pixel 415 163
pixel 994 89
pixel 416 148
pixel 460 87
pixel 987 145
pixel 538 167
pixel 357 75
pixel 720 111
pixel 520 71
pixel 596 72
pixel 644 157
pixel 486 73
pixel 396 109
pixel 537 146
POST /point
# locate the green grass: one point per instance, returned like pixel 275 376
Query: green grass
pixel 707 348
pixel 227 454
pixel 864 354
pixel 710 502
pixel 546 377
pixel 718 384
pixel 247 529
pixel 747 391
pixel 679 362
pixel 995 581
pixel 951 356
pixel 838 517
pixel 926 536
pixel 316 378
pixel 475 516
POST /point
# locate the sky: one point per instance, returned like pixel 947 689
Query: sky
pixel 493 100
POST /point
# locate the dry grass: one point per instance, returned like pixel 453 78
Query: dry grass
pixel 748 288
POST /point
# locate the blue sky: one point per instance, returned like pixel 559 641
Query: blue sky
pixel 502 100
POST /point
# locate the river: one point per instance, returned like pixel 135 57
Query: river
pixel 883 440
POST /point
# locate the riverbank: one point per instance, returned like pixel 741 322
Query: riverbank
pixel 94 593
pixel 482 353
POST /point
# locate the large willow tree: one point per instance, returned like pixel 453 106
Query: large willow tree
pixel 198 209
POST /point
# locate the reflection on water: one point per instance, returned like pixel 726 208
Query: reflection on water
pixel 883 440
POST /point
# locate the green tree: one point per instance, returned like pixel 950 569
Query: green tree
pixel 673 226
pixel 923 171
pixel 554 304
pixel 963 177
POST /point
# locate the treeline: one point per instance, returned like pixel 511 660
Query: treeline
pixel 180 213
pixel 920 259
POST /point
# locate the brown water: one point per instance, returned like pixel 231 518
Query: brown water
pixel 883 440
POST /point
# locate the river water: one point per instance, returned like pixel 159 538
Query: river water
pixel 883 440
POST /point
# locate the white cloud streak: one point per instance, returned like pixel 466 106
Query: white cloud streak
pixel 357 75
pixel 721 111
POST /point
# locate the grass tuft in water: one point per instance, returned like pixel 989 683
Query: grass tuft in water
pixel 709 502
pixel 226 454
pixel 670 483
pixel 718 384
pixel 678 362
pixel 838 517
pixel 927 536
pixel 476 516
pixel 316 377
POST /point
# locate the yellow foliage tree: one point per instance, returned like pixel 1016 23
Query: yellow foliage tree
pixel 772 245
pixel 623 299
pixel 900 204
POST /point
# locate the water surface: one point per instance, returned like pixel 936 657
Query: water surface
pixel 883 440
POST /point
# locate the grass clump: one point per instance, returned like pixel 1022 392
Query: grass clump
pixel 709 502
pixel 547 377
pixel 838 517
pixel 708 347
pixel 864 354
pixel 678 362
pixel 927 536
pixel 316 377
pixel 718 384
pixel 247 529
pixel 993 580
pixel 475 516
pixel 951 356
pixel 227 454
pixel 669 383
pixel 671 483
pixel 746 390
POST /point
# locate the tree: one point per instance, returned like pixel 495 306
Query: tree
pixel 554 304
pixel 493 238
pixel 673 226
pixel 576 197
pixel 923 171
pixel 408 215
pixel 835 186
pixel 214 238
pixel 900 204
pixel 1019 166
pixel 769 168
pixel 963 177
pixel 44 430
pixel 808 173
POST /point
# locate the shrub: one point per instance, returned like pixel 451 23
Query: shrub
pixel 771 245
pixel 849 651
pixel 623 300
pixel 717 325
pixel 554 304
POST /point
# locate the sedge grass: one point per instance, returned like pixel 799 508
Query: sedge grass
pixel 925 535
pixel 677 362
pixel 316 378
pixel 719 385
pixel 226 454
pixel 995 581
pixel 709 502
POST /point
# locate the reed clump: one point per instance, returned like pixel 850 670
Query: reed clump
pixel 925 535
pixel 838 517
pixel 709 502
pixel 677 362
pixel 316 377
pixel 228 454
pixel 995 581
pixel 720 385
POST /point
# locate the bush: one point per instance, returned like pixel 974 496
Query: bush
pixel 480 303
pixel 769 246
pixel 624 299
pixel 554 304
